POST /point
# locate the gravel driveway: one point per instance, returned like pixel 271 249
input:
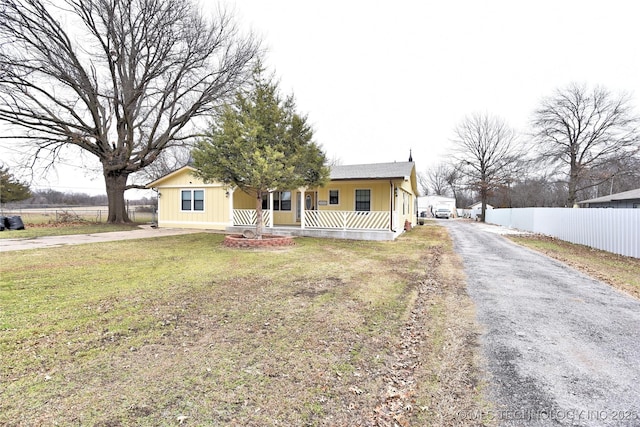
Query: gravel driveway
pixel 560 348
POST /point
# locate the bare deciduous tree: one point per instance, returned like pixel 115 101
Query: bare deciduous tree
pixel 122 80
pixel 614 177
pixel 454 181
pixel 580 131
pixel 423 183
pixel 487 151
pixel 437 179
pixel 170 160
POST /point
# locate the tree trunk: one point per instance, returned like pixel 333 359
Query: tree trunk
pixel 259 220
pixel 484 193
pixel 116 183
pixel 483 210
pixel 573 186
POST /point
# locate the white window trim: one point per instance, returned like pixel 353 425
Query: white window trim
pixel 355 201
pixel 192 210
pixel 329 197
pixel 280 199
pixel 291 201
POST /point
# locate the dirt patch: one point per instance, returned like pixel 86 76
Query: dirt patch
pixel 314 288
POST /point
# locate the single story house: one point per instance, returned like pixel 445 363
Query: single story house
pixel 364 202
pixel 625 200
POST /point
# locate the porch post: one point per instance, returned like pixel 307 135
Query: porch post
pixel 230 197
pixel 302 208
pixel 394 209
pixel 270 222
pixel 391 195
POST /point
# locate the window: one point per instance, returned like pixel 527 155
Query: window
pixel 186 200
pixel 198 200
pixel 363 200
pixel 281 201
pixel 334 197
pixel 192 200
pixel 285 201
pixel 406 202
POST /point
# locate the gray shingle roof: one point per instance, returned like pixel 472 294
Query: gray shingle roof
pixel 372 171
pixel 625 195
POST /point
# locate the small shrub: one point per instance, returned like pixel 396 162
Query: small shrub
pixel 69 217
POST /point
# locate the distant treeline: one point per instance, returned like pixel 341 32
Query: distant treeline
pixel 46 198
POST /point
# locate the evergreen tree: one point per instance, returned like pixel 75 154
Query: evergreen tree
pixel 12 190
pixel 259 143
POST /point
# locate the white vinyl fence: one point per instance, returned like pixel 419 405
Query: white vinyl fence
pixel 612 230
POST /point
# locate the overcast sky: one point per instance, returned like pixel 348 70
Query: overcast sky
pixel 377 78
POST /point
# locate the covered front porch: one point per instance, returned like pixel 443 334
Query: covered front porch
pixel 360 209
pixel 356 225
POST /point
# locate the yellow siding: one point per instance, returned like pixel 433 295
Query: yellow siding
pixel 380 194
pixel 215 215
pixel 409 212
pixel 242 200
pixel 347 195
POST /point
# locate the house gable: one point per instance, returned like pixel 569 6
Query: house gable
pixel 184 200
pixel 185 176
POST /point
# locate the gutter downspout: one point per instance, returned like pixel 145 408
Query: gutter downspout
pixel 154 224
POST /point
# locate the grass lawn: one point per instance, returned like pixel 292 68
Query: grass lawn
pixel 182 331
pixel 619 271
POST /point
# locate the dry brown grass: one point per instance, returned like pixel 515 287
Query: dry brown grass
pixel 621 272
pixel 450 382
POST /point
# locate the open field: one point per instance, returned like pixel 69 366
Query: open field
pixel 618 271
pixel 93 214
pixel 62 222
pixel 180 330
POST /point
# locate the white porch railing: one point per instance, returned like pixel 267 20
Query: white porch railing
pixel 342 220
pixel 347 220
pixel 248 216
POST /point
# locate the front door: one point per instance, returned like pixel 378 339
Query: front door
pixel 309 202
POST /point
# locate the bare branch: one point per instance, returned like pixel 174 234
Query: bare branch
pixel 487 152
pixel 585 130
pixel 123 80
pixel 437 179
